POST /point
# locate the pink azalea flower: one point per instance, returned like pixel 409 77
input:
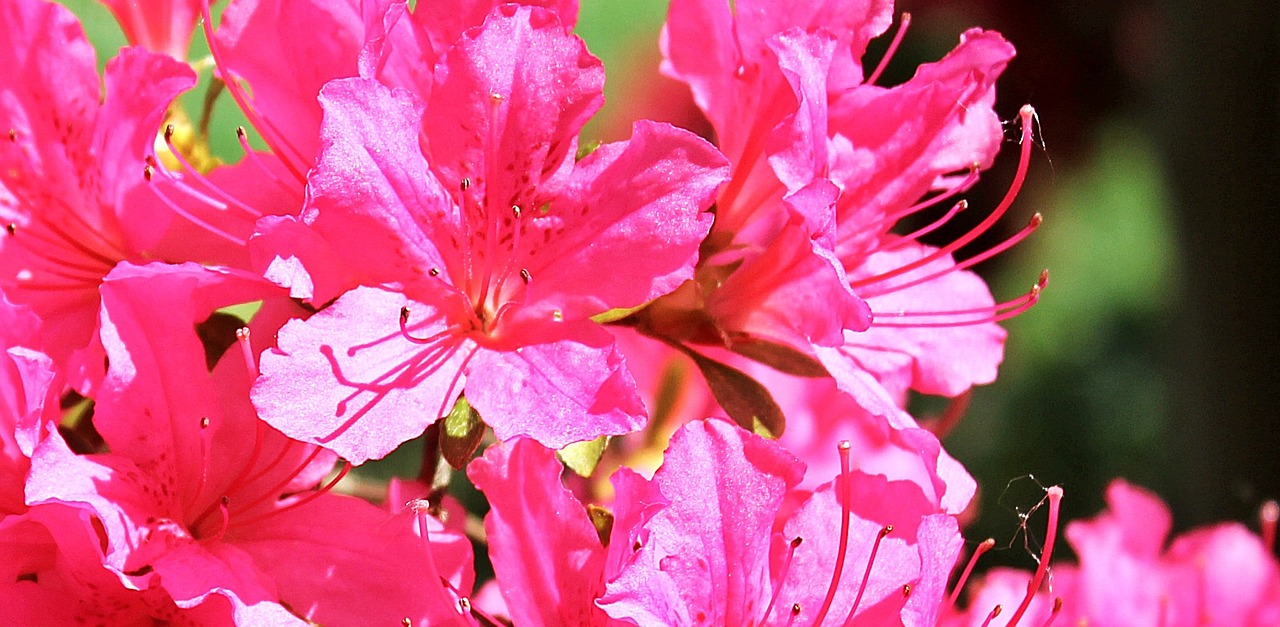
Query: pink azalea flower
pixel 709 541
pixel 487 260
pixel 199 500
pixel 869 550
pixel 68 167
pixel 796 114
pixel 1129 574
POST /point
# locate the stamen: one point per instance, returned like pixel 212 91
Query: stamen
pixel 996 313
pixel 995 611
pixel 252 155
pixel 893 47
pixel 204 422
pixel 431 339
pixel 845 491
pixel 222 203
pixel 866 575
pixel 1268 517
pixel 963 186
pixel 148 173
pixel 1054 494
pixel 951 416
pixel 274 138
pixel 246 351
pixel 906 591
pixel 315 494
pixel 782 577
pixel 224 504
pixel 1024 163
pixel 961 205
pixel 1036 221
pixel 1057 609
pixel 982 547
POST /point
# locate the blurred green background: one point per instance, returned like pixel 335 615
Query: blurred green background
pixel 1152 355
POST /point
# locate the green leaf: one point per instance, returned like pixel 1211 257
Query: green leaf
pixel 461 435
pixel 582 457
pixel 746 401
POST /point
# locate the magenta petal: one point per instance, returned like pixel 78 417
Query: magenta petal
pixel 707 556
pixel 294 256
pixel 545 551
pixel 276 48
pixel 556 393
pixel 509 101
pixel 341 561
pixel 348 380
pixel 371 194
pixel 199 574
pixel 639 204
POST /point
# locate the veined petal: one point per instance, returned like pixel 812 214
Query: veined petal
pixel 546 554
pixel 639 205
pixel 706 560
pixel 564 391
pixel 349 380
pixel 509 100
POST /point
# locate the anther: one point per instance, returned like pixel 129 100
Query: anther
pixel 204 422
pixel 246 351
pixel 13 135
pixel 11 228
pixel 515 211
pixel 995 611
pixel 1057 609
pixel 406 621
pixel 434 272
pixel 795 609
pixel 148 172
pixel 906 590
pixel 525 276
pixel 464 604
pixel 466 184
pixel 168 133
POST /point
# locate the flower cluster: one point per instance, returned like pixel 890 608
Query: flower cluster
pixel 678 370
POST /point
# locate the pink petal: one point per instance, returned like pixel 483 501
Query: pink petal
pixel 159 25
pixel 556 393
pixel 348 380
pixel 707 558
pixel 945 360
pixel 509 101
pixel 545 551
pixel 639 204
pixel 339 560
pixel 371 195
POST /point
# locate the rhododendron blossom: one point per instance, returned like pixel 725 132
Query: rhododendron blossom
pixel 484 265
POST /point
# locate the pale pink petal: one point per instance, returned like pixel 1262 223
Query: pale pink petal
pixel 707 555
pixel 546 553
pixel 371 195
pixel 557 393
pixel 348 380
pixel 943 359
